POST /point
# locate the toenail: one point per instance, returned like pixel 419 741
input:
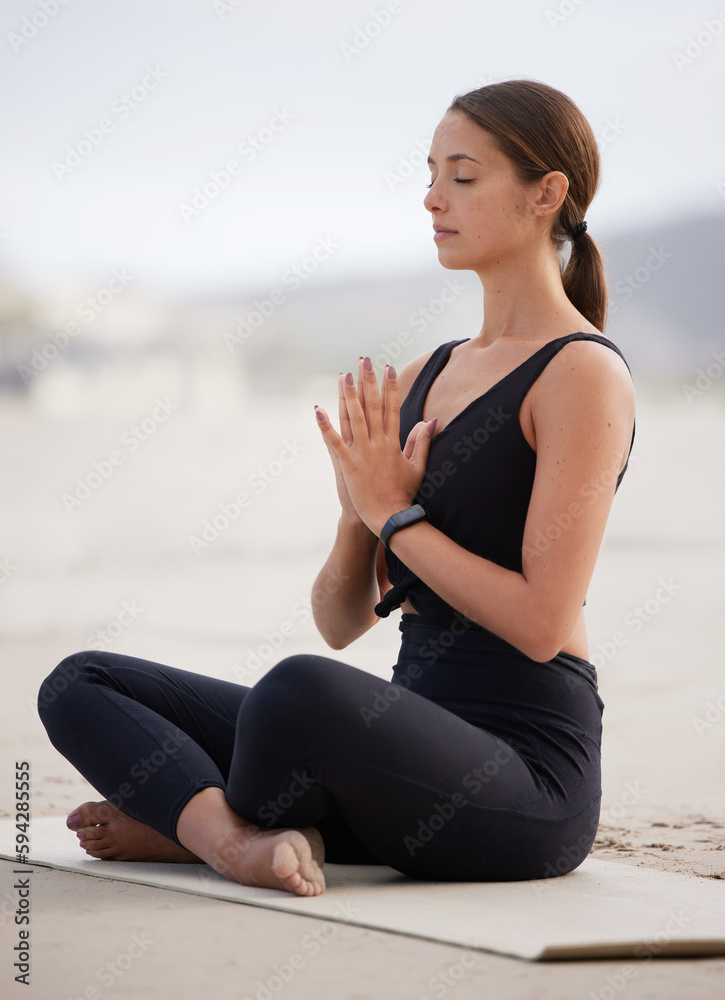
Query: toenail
pixel 73 820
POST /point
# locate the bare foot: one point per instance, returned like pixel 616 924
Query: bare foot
pixel 290 860
pixel 105 832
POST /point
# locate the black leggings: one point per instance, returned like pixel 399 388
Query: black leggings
pixel 388 775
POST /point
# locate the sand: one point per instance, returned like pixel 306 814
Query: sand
pixel 656 627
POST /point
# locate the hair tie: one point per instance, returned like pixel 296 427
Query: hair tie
pixel 578 231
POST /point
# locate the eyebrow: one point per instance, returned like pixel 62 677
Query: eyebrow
pixel 454 157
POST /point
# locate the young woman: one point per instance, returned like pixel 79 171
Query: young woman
pixel 474 490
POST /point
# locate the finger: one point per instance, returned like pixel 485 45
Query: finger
pixel 345 428
pixel 371 395
pixel 360 391
pixel 329 435
pixel 412 438
pixel 419 457
pixel 356 412
pixel 391 402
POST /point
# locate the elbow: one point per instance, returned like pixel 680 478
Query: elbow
pixel 544 642
pixel 336 643
pixel 335 638
pixel 540 652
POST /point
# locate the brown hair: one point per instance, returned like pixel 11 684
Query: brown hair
pixel 541 129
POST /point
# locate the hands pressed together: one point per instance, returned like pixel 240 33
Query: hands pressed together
pixel 375 478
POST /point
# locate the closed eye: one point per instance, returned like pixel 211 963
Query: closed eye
pixel 458 180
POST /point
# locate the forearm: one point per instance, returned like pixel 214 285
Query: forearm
pixel 498 599
pixel 346 590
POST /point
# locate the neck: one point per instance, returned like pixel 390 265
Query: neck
pixel 524 299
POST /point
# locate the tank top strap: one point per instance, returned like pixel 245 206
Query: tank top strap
pixel 523 377
pixel 430 371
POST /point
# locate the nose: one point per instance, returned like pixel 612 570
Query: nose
pixel 433 200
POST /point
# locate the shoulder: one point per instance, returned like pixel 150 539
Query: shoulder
pixel 586 368
pixel 411 371
pixel 587 389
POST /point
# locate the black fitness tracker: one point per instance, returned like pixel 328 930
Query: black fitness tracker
pixel 411 515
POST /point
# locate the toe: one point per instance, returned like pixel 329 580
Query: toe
pixel 89 814
pixel 102 853
pixel 92 833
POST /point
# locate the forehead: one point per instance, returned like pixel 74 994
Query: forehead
pixel 458 136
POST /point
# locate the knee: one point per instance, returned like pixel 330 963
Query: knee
pixel 300 683
pixel 61 682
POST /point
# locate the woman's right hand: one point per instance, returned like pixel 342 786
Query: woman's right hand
pixel 348 508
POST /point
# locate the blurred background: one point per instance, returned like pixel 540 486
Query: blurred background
pixel 211 208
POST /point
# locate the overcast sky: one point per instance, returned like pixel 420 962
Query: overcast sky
pixel 168 92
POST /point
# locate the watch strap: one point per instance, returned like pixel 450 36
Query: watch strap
pixel 411 515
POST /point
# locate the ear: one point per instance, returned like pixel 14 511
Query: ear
pixel 549 192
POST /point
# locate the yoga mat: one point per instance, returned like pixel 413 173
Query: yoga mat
pixel 600 910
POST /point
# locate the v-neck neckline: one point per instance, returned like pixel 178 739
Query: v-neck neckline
pixel 446 358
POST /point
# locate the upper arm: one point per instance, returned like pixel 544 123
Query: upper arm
pixel 582 408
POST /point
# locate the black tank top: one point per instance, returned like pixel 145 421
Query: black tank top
pixel 479 475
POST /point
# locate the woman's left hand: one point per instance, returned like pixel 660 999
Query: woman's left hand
pixel 381 479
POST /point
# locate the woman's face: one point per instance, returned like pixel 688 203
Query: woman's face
pixel 481 210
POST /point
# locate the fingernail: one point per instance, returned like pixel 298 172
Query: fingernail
pixel 349 379
pixel 432 426
pixel 368 365
pixel 391 372
pixel 73 821
pixel 320 414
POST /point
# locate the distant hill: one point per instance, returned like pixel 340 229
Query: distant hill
pixel 666 314
pixel 667 308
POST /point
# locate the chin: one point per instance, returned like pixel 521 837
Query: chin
pixel 454 262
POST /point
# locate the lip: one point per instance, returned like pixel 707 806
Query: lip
pixel 441 233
